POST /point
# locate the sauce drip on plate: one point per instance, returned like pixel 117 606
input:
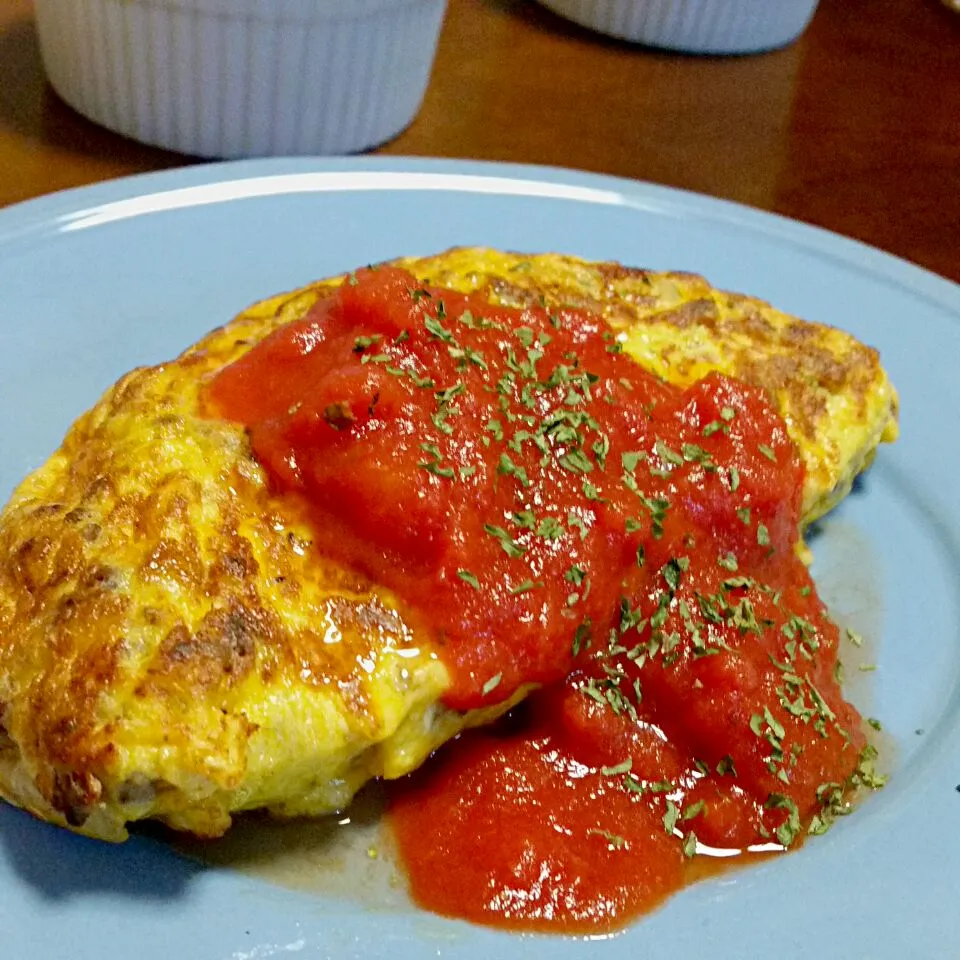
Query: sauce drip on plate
pixel 560 517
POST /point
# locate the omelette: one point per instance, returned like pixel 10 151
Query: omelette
pixel 171 646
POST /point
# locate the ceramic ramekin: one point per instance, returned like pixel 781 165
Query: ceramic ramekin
pixel 240 78
pixel 694 26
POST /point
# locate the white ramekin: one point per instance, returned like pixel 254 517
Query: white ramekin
pixel 240 78
pixel 693 26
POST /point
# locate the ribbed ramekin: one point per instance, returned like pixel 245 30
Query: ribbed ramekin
pixel 694 26
pixel 240 78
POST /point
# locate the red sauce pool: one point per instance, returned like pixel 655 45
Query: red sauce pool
pixel 561 517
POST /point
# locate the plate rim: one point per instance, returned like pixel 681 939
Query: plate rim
pixel 22 219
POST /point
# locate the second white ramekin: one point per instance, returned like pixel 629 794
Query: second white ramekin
pixel 693 26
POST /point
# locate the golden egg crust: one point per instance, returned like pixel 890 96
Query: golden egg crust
pixel 172 648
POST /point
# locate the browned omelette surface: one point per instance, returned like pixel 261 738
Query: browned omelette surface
pixel 171 647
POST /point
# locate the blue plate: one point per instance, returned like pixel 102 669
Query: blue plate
pixel 95 281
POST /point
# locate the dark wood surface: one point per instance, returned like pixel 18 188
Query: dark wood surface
pixel 856 127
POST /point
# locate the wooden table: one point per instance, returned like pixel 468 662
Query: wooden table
pixel 856 127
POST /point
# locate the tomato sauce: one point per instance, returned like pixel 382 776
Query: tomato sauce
pixel 561 518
